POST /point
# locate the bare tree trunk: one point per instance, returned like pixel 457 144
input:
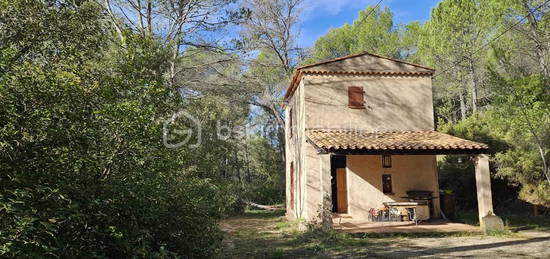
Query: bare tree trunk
pixel 173 61
pixel 474 85
pixel 246 158
pixel 114 20
pixel 140 17
pixel 462 105
pixel 150 17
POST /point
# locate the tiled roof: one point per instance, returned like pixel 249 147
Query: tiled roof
pixel 309 69
pixel 382 73
pixel 388 141
pixel 363 54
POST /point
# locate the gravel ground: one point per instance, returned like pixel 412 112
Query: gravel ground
pixel 528 245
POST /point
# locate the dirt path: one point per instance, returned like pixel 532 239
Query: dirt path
pixel 264 234
pixel 532 246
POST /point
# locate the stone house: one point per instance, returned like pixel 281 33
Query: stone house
pixel 360 133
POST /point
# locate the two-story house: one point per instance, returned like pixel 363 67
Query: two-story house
pixel 360 132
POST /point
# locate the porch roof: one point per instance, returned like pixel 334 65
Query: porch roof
pixel 395 142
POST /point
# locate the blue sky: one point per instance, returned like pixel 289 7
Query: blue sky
pixel 321 15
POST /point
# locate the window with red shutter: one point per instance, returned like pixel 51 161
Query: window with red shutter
pixel 355 97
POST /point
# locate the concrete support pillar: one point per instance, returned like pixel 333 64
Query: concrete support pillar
pixel 326 190
pixel 488 221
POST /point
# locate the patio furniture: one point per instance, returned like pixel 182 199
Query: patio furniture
pixel 425 202
pixel 409 206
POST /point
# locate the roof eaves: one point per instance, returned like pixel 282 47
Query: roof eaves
pixel 362 54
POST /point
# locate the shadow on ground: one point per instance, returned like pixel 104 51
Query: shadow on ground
pixel 266 234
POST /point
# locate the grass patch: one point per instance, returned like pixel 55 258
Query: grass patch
pixel 507 232
pixel 526 222
pixel 252 213
pixel 327 242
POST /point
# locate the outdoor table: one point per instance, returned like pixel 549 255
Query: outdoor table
pixel 404 205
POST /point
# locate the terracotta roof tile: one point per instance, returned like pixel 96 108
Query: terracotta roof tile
pixel 382 73
pixel 396 140
pixel 363 54
pixel 299 72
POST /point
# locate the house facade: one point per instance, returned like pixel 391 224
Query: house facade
pixel 360 132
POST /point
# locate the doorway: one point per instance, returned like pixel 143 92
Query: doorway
pixel 339 183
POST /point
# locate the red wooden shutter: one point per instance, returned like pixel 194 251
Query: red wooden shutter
pixel 355 97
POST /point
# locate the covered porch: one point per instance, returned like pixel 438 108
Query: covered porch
pixel 365 173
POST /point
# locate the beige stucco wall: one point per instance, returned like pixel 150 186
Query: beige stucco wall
pixel 294 153
pixel 392 103
pixel 364 175
pixel 292 148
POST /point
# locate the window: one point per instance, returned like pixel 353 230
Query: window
pixel 290 122
pixel 386 183
pixel 386 161
pixel 355 97
pixel 291 185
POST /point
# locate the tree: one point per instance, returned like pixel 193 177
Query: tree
pixel 523 111
pixel 373 31
pixel 84 170
pixel 534 31
pixel 272 30
pixel 450 43
pixel 179 23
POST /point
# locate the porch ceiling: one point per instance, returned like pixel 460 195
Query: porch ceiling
pixel 396 142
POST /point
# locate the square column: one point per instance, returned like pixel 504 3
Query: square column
pixel 488 221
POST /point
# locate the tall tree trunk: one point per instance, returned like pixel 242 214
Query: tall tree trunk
pixel 150 17
pixel 172 68
pixel 247 160
pixel 462 105
pixel 474 85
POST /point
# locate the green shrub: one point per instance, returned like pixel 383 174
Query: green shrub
pixel 83 171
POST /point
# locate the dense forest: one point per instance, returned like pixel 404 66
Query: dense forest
pixel 97 96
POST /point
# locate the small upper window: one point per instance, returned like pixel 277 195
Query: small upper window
pixel 355 97
pixel 386 161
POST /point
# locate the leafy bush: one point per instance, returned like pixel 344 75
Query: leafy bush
pixel 83 171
